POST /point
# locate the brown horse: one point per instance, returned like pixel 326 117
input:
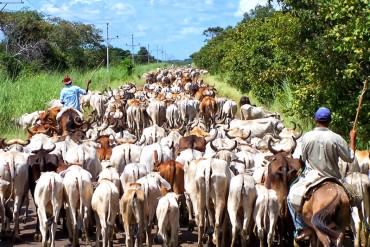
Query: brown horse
pixel 326 212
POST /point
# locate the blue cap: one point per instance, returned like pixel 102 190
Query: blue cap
pixel 323 114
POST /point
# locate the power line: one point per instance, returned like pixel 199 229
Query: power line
pixel 8 2
pixel 108 38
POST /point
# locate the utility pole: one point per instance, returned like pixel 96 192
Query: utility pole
pixel 148 55
pixel 108 38
pixel 132 48
pixel 107 45
pixel 157 53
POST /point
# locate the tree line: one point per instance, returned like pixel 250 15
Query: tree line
pixel 306 54
pixel 34 42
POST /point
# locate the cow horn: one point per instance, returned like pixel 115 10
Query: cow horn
pixel 232 147
pixel 30 132
pixel 294 125
pixel 246 137
pixel 227 134
pixel 45 131
pixel 276 135
pixel 294 146
pixel 211 138
pixel 77 120
pixel 269 145
pixel 222 120
pixel 139 143
pixel 50 149
pixel 295 138
pixel 213 147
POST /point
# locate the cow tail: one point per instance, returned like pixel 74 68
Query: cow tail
pixel 12 175
pixel 109 206
pixel 53 200
pixel 319 219
pixel 207 176
pixel 129 155
pixel 266 209
pixel 79 181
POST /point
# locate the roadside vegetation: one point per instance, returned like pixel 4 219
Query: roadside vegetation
pixel 293 60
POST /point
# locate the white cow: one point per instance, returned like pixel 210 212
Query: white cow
pixel 151 185
pixel 266 212
pixel 13 184
pixel 212 182
pixel 78 192
pixel 242 195
pixel 110 173
pixel 28 119
pixel 168 216
pixel 124 154
pixel 49 201
pixel 249 112
pixel 152 134
pixel 105 204
pixel 155 152
pixel 132 173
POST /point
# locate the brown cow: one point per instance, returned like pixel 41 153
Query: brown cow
pixel 47 129
pixel 49 116
pixel 105 150
pixel 195 142
pixel 208 109
pixel 173 173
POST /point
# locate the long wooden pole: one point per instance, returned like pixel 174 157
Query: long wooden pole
pixel 360 104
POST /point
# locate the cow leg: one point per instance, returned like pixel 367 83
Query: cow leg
pixel 248 211
pixel 86 217
pixel 149 235
pixel 17 208
pixel 270 235
pixel 2 214
pixel 42 225
pixel 356 225
pixel 26 203
pixel 98 229
pixel 232 210
pixel 190 211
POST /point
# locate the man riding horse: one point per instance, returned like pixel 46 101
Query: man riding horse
pixel 321 149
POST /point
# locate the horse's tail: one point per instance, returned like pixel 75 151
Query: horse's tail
pixel 320 219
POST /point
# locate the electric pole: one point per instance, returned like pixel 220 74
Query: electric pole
pixel 108 38
pixel 157 53
pixel 107 45
pixel 132 48
pixel 148 55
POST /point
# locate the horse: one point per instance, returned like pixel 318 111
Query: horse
pixel 325 211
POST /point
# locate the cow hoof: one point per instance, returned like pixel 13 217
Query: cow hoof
pixel 191 225
pixel 157 239
pixel 37 237
pixel 205 239
pixel 210 230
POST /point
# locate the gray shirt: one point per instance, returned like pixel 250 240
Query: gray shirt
pixel 321 149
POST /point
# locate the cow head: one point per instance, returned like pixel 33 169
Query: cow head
pixel 282 170
pixel 16 144
pixel 224 153
pixel 41 161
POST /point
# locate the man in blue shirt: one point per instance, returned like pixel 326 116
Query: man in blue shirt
pixel 70 95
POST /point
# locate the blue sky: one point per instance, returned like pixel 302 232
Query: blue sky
pixel 174 25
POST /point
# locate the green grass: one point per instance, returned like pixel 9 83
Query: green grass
pixel 31 93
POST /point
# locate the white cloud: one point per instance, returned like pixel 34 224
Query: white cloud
pixel 123 9
pixel 208 2
pixel 246 5
pixel 55 10
pixel 84 1
pixel 190 30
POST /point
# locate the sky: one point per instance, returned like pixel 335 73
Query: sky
pixel 172 26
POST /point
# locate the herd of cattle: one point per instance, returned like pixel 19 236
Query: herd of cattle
pixel 168 153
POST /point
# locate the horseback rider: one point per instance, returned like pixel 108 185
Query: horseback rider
pixel 70 95
pixel 321 149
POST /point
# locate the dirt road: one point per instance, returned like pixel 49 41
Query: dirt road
pixel 27 230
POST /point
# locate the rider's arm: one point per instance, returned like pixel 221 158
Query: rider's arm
pixel 345 152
